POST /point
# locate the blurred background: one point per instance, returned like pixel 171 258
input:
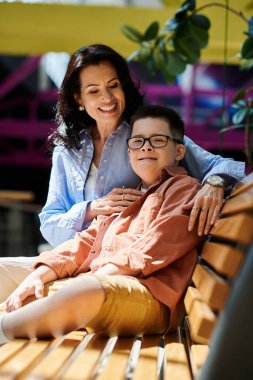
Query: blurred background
pixel 36 40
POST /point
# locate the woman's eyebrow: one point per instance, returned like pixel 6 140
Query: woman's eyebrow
pixel 97 84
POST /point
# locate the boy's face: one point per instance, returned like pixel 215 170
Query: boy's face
pixel 148 162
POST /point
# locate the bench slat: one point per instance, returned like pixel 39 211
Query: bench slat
pixel 242 202
pixel 223 258
pixel 23 360
pixel 118 363
pixel 9 350
pixel 56 356
pixel 85 364
pixel 198 354
pixel 237 228
pixel 213 289
pixel 147 363
pixel 177 366
pixel 201 319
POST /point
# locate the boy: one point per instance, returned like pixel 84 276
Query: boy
pixel 130 270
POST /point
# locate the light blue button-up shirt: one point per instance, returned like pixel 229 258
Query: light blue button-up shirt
pixel 65 210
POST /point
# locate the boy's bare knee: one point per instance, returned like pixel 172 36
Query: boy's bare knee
pixel 90 283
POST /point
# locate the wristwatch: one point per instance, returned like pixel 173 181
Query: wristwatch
pixel 216 181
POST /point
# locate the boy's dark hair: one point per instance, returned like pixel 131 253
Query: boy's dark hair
pixel 173 119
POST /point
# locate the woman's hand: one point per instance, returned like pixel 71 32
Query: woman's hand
pixel 114 202
pixel 33 285
pixel 207 205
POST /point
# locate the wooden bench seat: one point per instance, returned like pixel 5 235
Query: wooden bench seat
pixel 178 356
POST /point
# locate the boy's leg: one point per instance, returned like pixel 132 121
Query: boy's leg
pixel 13 271
pixel 70 308
pixel 129 309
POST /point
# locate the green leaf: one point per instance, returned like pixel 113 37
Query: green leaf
pixel 152 31
pixel 201 21
pixel 189 5
pixel 151 64
pixel 241 103
pixel 240 115
pixel 176 64
pixel 133 56
pixel 161 63
pixel 169 78
pixel 144 53
pixel 250 34
pixel 169 62
pixel 181 14
pixel 198 37
pixel 246 64
pixel 232 127
pixel 247 48
pixel 131 33
pixel 188 52
pixel 172 24
pixel 158 58
pixel 240 95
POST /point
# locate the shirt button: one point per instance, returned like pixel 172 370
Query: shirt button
pixel 102 177
pixel 105 160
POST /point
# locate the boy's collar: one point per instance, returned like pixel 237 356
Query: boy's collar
pixel 172 171
pixel 168 171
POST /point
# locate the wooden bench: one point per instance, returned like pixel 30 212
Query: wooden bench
pixel 178 356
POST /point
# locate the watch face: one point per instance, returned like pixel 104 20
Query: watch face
pixel 215 180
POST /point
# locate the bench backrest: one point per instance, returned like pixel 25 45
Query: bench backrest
pixel 219 263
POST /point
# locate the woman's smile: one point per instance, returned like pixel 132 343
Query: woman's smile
pixel 102 95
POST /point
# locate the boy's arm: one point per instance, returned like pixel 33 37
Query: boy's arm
pixel 67 258
pixel 166 240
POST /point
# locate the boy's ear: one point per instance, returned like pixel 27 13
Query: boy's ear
pixel 180 152
pixel 128 151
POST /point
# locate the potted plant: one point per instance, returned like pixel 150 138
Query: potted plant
pixel 180 42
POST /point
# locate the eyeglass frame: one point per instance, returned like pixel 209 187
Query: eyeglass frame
pixel 148 139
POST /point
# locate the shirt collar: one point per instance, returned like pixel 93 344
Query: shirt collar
pixel 172 171
pixel 123 129
pixel 167 172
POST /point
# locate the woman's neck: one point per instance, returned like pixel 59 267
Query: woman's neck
pixel 103 131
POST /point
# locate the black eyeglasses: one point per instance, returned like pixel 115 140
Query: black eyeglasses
pixel 156 141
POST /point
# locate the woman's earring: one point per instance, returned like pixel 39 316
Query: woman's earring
pixel 81 108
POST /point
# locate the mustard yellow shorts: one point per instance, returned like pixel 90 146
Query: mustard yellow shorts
pixel 129 308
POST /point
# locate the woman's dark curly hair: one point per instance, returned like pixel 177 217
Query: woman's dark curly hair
pixel 68 117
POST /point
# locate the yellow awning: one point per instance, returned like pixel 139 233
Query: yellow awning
pixel 31 29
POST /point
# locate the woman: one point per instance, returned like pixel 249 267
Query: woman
pixel 90 164
pixel 91 173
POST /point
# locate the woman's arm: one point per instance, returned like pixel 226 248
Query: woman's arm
pixel 201 164
pixel 209 200
pixel 66 212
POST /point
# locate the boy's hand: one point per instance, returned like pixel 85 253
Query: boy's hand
pixel 29 287
pixel 207 205
pixel 33 284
